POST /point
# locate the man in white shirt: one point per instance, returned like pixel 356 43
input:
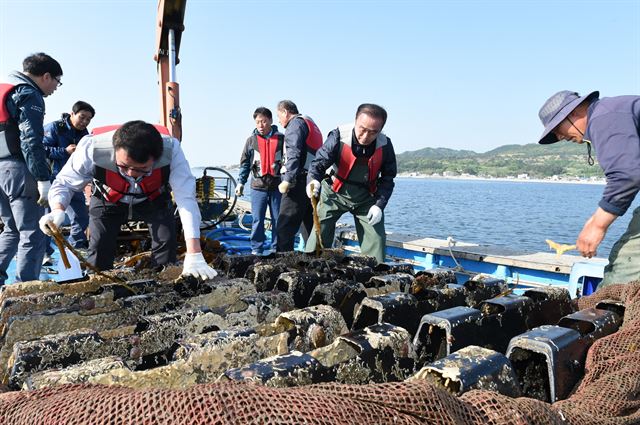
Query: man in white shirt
pixel 134 168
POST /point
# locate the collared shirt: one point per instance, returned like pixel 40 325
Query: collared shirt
pixel 80 168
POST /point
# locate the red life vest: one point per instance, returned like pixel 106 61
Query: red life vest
pixel 314 138
pixel 111 184
pixel 268 154
pixel 9 130
pixel 313 142
pixel 348 160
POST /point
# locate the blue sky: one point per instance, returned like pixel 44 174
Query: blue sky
pixel 457 74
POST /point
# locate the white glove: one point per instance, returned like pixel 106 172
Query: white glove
pixel 195 265
pixel 56 217
pixel 375 215
pixel 43 189
pixel 316 188
pixel 239 189
pixel 283 187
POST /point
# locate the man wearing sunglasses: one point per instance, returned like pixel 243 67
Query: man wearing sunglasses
pixel 134 169
pixel 612 126
pixel 24 171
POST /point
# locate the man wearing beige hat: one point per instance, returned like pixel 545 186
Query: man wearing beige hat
pixel 612 126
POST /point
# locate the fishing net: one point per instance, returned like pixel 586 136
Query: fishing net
pixel 608 394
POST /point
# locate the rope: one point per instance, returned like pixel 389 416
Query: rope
pixel 316 223
pixel 450 243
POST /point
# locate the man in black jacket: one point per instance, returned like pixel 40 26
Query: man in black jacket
pixel 262 158
pixel 363 166
pixel 302 139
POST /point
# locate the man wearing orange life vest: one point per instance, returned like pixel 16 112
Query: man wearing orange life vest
pixel 363 168
pixel 262 158
pixel 23 164
pixel 133 168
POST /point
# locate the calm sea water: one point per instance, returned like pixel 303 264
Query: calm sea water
pixel 515 214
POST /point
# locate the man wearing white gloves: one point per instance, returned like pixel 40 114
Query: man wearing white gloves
pixel 134 168
pixel 363 166
pixel 302 139
pixel 24 171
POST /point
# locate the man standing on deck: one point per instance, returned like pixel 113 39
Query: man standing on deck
pixel 262 157
pixel 612 126
pixel 60 140
pixel 363 165
pixel 302 139
pixel 24 171
pixel 134 169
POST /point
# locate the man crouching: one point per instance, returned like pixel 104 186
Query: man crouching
pixel 133 168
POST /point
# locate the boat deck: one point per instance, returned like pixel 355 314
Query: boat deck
pixel 517 267
pixel 545 261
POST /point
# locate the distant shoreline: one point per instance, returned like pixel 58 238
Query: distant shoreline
pixel 503 179
pixel 561 180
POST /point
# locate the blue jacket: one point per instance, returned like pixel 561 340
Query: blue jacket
pixel 26 107
pixel 613 127
pixel 57 136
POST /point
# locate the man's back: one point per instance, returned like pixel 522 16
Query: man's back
pixel 25 105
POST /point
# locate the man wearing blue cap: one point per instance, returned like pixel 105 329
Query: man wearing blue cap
pixel 612 126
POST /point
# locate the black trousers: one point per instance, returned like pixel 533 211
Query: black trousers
pixel 296 213
pixel 105 219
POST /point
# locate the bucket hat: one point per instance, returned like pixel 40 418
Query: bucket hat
pixel 556 109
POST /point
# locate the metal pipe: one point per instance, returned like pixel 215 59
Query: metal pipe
pixel 172 56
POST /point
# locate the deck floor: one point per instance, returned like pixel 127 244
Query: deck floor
pixel 547 261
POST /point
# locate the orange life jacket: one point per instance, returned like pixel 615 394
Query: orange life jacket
pixel 9 131
pixel 348 160
pixel 313 142
pixel 267 154
pixel 314 138
pixel 111 184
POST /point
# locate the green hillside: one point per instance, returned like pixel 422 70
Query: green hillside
pixel 538 161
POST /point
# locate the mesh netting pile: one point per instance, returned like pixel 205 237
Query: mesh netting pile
pixel 608 394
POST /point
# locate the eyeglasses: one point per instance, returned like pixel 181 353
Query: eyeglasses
pixel 58 81
pixel 124 168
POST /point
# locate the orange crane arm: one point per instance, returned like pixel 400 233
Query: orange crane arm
pixel 168 37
